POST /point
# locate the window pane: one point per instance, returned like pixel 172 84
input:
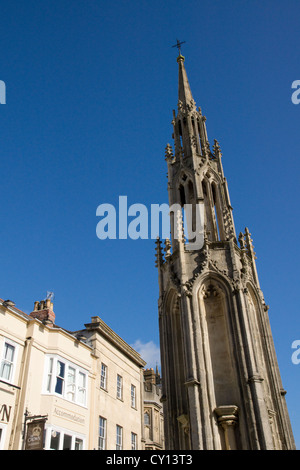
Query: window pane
pixel 71 384
pixel 103 376
pixel 59 386
pixel 133 396
pixel 67 442
pixel 5 371
pixel 119 438
pixel 60 377
pixel 147 419
pixel 71 375
pixel 78 444
pixel 102 433
pixel 7 362
pixel 119 386
pixel 81 379
pixel 9 352
pixel 133 441
pixel 54 444
pixel 81 388
pixel 49 378
pixel 60 369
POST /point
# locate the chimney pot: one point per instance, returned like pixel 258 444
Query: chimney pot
pixel 43 311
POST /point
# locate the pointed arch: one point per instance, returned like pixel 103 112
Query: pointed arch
pixel 218 213
pixel 208 215
pixel 174 356
pixel 187 195
pixel 214 311
pixel 254 310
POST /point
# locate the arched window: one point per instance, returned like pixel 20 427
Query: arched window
pixel 216 211
pixel 192 201
pixel 180 131
pixel 182 195
pixel 208 210
pixel 196 135
pixel 147 418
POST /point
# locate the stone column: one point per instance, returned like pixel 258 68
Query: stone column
pixel 227 419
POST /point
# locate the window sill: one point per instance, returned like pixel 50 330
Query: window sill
pixel 57 395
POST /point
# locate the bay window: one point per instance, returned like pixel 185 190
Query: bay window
pixel 66 379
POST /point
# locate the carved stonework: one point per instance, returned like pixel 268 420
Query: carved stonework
pixel 227 417
pixel 184 421
pixel 216 149
pixel 173 277
pixel 169 153
pixel 209 291
pixel 212 335
pixel 228 225
pixel 167 248
pixel 213 264
pixel 202 263
pixel 204 148
pixel 158 255
pixel 193 141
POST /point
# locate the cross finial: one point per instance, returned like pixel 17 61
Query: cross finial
pixel 178 45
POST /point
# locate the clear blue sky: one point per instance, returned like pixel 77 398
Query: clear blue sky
pixel 91 86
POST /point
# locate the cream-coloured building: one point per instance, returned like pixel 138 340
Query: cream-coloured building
pixel 86 386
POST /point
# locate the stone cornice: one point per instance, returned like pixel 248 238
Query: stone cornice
pixel 103 329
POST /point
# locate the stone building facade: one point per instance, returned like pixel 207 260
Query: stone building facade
pixel 153 411
pixel 86 385
pixel 221 385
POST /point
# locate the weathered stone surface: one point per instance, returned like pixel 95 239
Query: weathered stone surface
pixel 221 385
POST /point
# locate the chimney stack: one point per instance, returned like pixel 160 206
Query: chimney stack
pixel 43 311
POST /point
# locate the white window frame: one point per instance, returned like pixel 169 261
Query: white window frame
pixel 119 387
pixel 133 396
pixel 103 377
pixel 71 390
pixel 119 437
pixel 13 364
pixel 62 432
pixel 102 435
pixel 133 441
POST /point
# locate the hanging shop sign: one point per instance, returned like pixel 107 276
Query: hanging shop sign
pixel 35 435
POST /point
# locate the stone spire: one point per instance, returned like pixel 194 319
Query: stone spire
pixel 221 386
pixel 184 91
